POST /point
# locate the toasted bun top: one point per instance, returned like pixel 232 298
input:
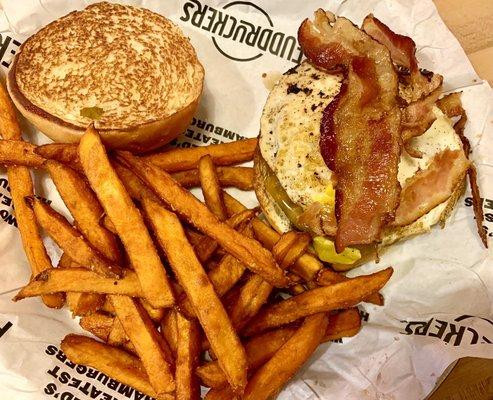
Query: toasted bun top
pixel 135 65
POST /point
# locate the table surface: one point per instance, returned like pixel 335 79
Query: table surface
pixel 471 22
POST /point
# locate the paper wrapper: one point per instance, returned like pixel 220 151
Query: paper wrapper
pixel 438 302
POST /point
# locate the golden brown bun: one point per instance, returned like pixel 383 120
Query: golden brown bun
pixel 148 87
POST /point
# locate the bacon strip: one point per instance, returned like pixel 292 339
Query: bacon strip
pixel 403 52
pixel 360 130
pixel 417 117
pixel 451 106
pixel 431 186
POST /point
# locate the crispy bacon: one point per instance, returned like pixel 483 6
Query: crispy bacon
pixel 417 117
pixel 431 186
pixel 451 106
pixel 360 130
pixel 416 84
pixel 477 204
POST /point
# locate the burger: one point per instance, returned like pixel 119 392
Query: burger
pixel 128 70
pixel 356 146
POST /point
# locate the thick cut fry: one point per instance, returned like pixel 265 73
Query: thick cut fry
pixel 238 177
pixel 17 152
pixel 270 378
pixel 127 220
pixel 327 277
pixel 252 296
pixel 306 266
pixel 71 241
pixel 21 185
pixel 207 306
pixel 322 299
pixel 84 303
pixel 169 329
pixel 345 323
pixel 98 324
pixel 222 154
pixel 9 126
pixel 110 360
pixel 210 187
pixel 247 250
pixel 117 335
pixel 84 207
pixel 61 152
pixel 81 280
pixel 156 314
pixel 187 358
pixel 145 338
pixel 259 349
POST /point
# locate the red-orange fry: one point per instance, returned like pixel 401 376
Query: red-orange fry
pixel 222 154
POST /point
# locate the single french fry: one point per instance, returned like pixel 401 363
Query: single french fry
pixel 345 323
pixel 222 154
pixel 187 359
pixel 207 306
pixel 84 303
pixel 145 338
pixel 98 324
pixel 137 189
pixel 252 296
pixel 270 378
pixel 108 307
pixel 71 241
pixel 321 299
pixel 238 177
pixel 9 126
pixel 127 220
pixel 169 330
pixel 66 262
pixel 61 152
pixel 84 207
pixel 21 185
pixel 111 361
pixel 156 314
pixel 210 187
pixel 117 335
pixel 56 280
pixel 259 349
pixel 249 251
pixel 18 152
pixel 327 277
